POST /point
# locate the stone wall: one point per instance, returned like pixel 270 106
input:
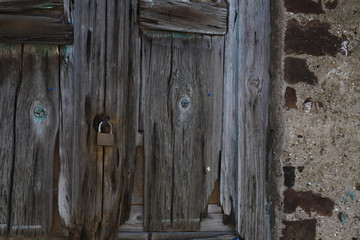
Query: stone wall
pixel 315 120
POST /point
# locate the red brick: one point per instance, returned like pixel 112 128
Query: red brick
pixel 331 4
pixel 297 70
pixel 299 230
pixel 290 98
pixel 303 6
pixel 313 38
pixel 308 201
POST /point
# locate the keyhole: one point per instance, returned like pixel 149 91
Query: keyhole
pixel 184 102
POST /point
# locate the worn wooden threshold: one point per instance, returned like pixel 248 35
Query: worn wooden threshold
pixel 212 223
pixel 176 236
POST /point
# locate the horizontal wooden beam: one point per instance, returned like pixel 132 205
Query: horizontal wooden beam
pixel 34 29
pixel 49 8
pixel 194 16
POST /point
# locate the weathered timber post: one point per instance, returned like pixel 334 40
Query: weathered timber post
pixel 246 96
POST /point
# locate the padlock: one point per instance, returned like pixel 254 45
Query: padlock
pixel 105 139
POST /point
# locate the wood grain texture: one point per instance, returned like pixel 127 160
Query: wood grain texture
pixel 137 197
pixel 36 124
pixel 136 220
pixel 49 8
pixel 133 236
pixel 39 21
pixel 10 76
pixel 176 236
pixel 213 222
pixel 83 93
pixel 99 77
pixel 196 16
pixel 193 236
pixel 34 29
pixel 121 103
pixel 246 92
pixel 182 129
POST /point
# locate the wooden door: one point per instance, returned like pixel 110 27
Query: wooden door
pixel 185 86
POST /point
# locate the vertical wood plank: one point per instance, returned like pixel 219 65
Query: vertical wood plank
pixel 156 71
pixel 116 79
pixel 10 74
pixel 82 88
pixel 137 197
pixel 100 74
pixel 121 104
pixel 246 92
pixel 35 136
pixel 183 101
pixel 196 129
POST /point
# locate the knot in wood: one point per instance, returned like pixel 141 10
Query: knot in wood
pixel 39 113
pixel 255 82
pixel 185 103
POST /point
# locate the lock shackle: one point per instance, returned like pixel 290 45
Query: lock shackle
pixel 108 122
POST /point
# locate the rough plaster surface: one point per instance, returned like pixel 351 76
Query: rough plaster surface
pixel 316 123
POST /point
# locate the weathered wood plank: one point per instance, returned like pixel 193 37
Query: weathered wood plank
pixel 156 69
pixel 133 236
pixel 136 220
pixel 196 16
pixel 176 236
pixel 137 197
pixel 49 8
pixel 196 129
pixel 58 228
pixel 183 102
pixel 10 75
pixel 246 92
pixel 99 76
pixel 212 223
pixel 83 89
pixel 40 21
pixel 193 236
pixel 34 29
pixel 37 112
pixel 121 104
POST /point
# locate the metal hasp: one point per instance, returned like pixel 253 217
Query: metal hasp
pixel 105 139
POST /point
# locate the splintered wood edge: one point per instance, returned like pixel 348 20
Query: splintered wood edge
pixel 188 17
pixel 213 222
